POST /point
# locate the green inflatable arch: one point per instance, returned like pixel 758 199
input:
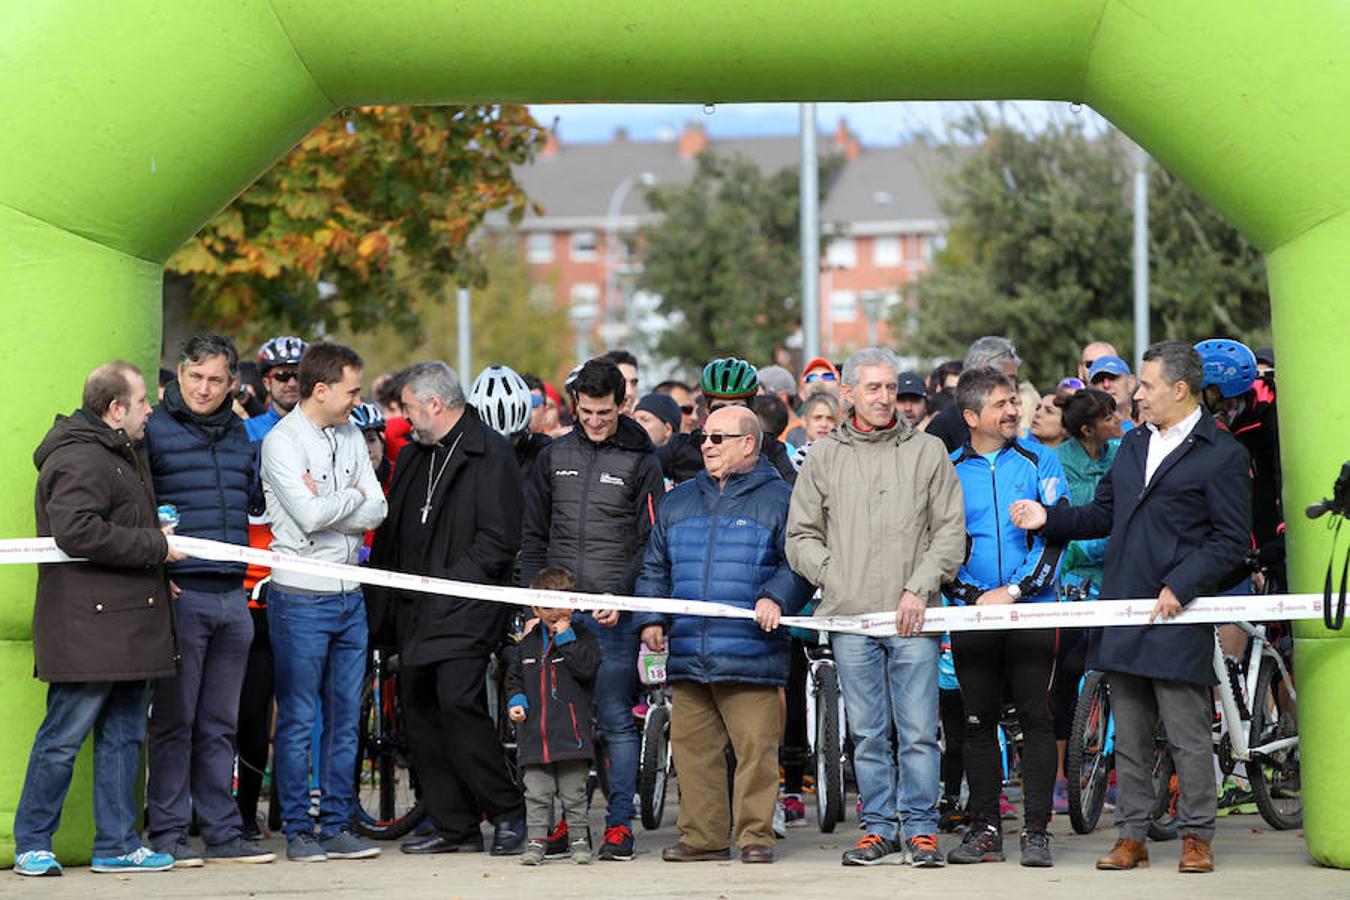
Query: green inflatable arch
pixel 129 124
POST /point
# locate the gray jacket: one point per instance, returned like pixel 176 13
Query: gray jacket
pixel 331 525
pixel 875 514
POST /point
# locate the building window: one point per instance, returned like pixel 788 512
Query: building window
pixel 842 254
pixel 583 246
pixel 886 252
pixel 844 306
pixel 539 247
pixel 586 297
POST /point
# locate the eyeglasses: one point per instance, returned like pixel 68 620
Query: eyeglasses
pixel 536 401
pixel 687 410
pixel 283 377
pixel 717 439
pixel 822 376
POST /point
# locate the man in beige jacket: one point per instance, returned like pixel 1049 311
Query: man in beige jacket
pixel 877 521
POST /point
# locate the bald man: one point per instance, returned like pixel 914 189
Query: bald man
pixel 726 672
pixel 1091 353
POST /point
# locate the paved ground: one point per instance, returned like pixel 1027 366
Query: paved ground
pixel 1252 862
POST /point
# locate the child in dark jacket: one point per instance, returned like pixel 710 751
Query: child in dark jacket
pixel 549 680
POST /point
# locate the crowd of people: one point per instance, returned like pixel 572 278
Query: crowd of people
pixel 848 488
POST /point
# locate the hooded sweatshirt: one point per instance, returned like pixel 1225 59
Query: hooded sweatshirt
pixel 874 514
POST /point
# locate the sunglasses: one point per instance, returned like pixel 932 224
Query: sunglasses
pixel 536 401
pixel 1071 384
pixel 822 376
pixel 717 439
pixel 687 410
pixel 284 377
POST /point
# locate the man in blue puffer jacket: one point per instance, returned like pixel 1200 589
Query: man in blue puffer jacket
pixel 719 538
pixel 203 464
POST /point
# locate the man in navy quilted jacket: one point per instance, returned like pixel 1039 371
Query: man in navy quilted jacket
pixel 719 538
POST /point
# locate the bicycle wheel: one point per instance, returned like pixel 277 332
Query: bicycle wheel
pixel 1087 762
pixel 1275 776
pixel 388 805
pixel 829 751
pixel 654 765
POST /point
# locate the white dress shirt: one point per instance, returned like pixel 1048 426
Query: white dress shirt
pixel 1163 442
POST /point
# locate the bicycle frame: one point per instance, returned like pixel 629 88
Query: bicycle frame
pixel 1240 737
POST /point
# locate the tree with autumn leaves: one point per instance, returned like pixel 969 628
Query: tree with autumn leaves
pixel 372 210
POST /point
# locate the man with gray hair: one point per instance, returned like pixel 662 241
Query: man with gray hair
pixel 455 508
pixel 205 466
pixel 877 522
pixel 991 352
pixel 1176 505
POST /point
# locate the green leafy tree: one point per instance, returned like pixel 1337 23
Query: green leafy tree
pixel 378 203
pixel 724 259
pixel 1039 249
pixel 514 323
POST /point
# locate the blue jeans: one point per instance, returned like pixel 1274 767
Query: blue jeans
pixel 893 681
pixel 115 712
pixel 319 647
pixel 616 692
pixel 192 722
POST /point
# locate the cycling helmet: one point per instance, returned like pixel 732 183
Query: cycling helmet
pixel 1229 365
pixel 367 417
pixel 502 399
pixel 280 351
pixel 729 379
pixel 570 384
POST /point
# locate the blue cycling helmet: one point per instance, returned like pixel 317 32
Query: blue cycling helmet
pixel 367 417
pixel 1230 366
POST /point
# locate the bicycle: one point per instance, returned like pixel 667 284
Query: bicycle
pixel 656 762
pixel 825 731
pixel 1258 698
pixel 388 800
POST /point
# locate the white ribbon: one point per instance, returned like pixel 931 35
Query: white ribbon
pixel 1095 614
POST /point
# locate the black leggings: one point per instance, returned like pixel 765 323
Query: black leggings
pixel 1069 660
pixel 1021 664
pixel 794 750
pixel 953 730
pixel 254 732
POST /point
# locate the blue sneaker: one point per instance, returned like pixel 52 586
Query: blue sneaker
pixel 36 862
pixel 142 859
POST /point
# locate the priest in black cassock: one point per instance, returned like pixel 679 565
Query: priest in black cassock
pixel 455 509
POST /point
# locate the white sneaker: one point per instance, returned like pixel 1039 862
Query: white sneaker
pixel 779 819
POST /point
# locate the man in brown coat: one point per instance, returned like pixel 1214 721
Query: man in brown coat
pixel 102 627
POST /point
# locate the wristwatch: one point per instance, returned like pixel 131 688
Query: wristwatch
pixel 1014 592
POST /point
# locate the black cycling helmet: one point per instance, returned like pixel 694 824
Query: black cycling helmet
pixel 729 378
pixel 280 351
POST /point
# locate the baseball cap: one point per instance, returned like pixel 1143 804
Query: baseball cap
pixel 1107 365
pixel 819 362
pixel 912 383
pixel 777 379
pixel 1266 355
pixel 664 407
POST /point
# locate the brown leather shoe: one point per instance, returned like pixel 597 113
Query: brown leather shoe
pixel 1195 855
pixel 756 853
pixel 1126 854
pixel 682 852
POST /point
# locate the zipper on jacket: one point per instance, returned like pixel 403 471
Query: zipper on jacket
pixel 998 531
pixel 581 511
pixel 707 575
pixel 576 731
pixel 543 695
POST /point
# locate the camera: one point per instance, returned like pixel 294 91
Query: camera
pixel 1339 504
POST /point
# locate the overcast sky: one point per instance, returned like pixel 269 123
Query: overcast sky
pixel 875 123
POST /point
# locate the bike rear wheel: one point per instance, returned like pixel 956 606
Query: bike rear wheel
pixel 1088 762
pixel 654 766
pixel 829 751
pixel 1274 777
pixel 388 805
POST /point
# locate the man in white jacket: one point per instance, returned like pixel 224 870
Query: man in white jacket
pixel 322 496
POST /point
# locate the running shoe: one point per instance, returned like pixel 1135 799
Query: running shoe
pixel 922 851
pixel 1036 848
pixel 982 843
pixel 558 845
pixel 779 821
pixel 37 863
pixel 142 859
pixel 345 845
pixel 1005 808
pixel 873 850
pixel 619 844
pixel 794 810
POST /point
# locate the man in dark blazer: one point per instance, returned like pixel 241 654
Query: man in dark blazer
pixel 1176 505
pixel 455 508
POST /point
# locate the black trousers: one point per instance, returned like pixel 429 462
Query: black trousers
pixel 1021 664
pixel 953 716
pixel 253 735
pixel 460 764
pixel 794 751
pixel 1069 666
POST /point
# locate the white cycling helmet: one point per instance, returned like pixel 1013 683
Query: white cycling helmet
pixel 502 400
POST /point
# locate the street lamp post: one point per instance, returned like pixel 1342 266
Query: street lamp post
pixel 616 199
pixel 582 317
pixel 872 304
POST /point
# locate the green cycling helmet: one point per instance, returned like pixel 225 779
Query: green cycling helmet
pixel 729 379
